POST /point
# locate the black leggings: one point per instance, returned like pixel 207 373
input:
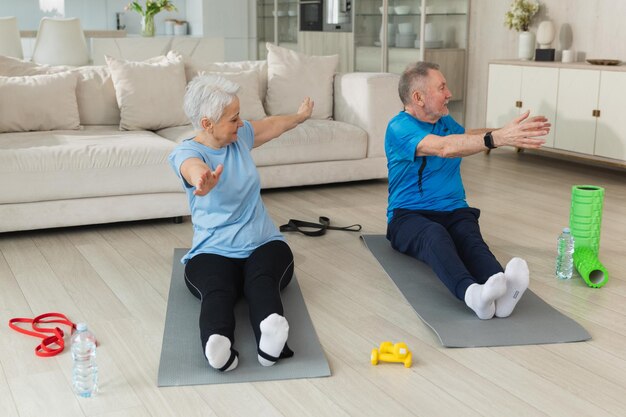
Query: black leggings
pixel 219 282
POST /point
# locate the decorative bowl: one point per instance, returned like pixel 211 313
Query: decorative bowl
pixel 405 28
pixel 402 9
pixel 604 61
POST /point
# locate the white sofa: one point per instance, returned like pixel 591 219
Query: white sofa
pixel 85 170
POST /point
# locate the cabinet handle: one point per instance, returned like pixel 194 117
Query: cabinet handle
pixel 595 113
pixel 518 104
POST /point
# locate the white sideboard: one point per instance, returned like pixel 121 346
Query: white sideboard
pixel 582 101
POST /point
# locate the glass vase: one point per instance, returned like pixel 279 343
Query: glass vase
pixel 147 25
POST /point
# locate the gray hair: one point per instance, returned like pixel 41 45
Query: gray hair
pixel 413 78
pixel 207 96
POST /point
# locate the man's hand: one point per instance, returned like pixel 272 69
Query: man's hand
pixel 523 132
pixel 207 180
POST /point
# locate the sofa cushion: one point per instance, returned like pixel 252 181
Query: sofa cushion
pixel 177 134
pixel 95 94
pixel 313 141
pixel 38 102
pixel 149 93
pixel 293 76
pixel 250 105
pixel 93 162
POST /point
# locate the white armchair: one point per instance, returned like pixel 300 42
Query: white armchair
pixel 60 42
pixel 10 43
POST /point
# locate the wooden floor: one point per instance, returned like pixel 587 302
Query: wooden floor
pixel 116 278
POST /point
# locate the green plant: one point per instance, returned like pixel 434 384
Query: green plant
pixel 152 7
pixel 520 14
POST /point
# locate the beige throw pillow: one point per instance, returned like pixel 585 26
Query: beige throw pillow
pixel 149 93
pixel 15 67
pixel 97 104
pixel 260 67
pixel 292 76
pixel 38 102
pixel 95 94
pixel 250 105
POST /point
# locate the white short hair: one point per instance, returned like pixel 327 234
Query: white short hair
pixel 207 96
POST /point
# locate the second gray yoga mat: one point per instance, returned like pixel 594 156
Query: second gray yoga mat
pixel 182 357
pixel 533 321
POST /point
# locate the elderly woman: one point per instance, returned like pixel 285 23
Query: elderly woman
pixel 237 250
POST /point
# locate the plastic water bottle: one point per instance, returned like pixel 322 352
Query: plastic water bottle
pixel 564 257
pixel 84 369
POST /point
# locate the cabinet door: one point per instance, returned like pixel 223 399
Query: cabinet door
pixel 329 43
pixel 502 94
pixel 538 94
pixel 277 22
pixel 575 127
pixel 611 130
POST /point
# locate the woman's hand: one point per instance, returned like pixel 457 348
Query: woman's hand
pixel 207 180
pixel 306 109
pixel 273 126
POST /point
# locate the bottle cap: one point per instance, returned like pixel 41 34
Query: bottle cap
pixel 81 327
pixel 566 230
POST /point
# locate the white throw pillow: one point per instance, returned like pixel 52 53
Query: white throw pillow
pixel 149 93
pixel 292 76
pixel 250 105
pixel 38 102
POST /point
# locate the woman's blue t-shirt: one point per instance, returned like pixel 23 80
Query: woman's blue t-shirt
pixel 231 219
pixel 441 185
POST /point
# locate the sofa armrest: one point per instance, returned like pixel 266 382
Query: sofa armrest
pixel 368 100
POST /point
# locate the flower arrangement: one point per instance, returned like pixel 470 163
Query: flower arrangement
pixel 147 16
pixel 152 7
pixel 520 14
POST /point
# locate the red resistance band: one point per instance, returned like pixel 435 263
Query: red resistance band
pixel 50 345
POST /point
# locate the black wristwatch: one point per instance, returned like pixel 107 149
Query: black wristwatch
pixel 489 141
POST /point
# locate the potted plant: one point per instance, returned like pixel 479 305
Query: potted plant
pixel 147 15
pixel 518 18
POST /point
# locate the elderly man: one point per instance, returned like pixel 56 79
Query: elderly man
pixel 428 217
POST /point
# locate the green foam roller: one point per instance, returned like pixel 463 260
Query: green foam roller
pixel 586 215
pixel 585 221
pixel 590 268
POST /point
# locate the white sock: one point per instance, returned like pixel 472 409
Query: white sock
pixel 274 333
pixel 217 351
pixel 481 297
pixel 517 279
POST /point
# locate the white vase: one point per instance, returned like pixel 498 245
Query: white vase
pixel 526 46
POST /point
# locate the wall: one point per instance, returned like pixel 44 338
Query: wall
pixel 93 14
pixel 598 32
pixel 233 20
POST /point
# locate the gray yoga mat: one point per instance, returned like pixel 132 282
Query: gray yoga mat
pixel 533 321
pixel 182 357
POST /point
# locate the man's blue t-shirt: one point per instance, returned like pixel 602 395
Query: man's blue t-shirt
pixel 231 219
pixel 439 186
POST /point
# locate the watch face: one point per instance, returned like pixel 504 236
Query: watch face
pixel 489 140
